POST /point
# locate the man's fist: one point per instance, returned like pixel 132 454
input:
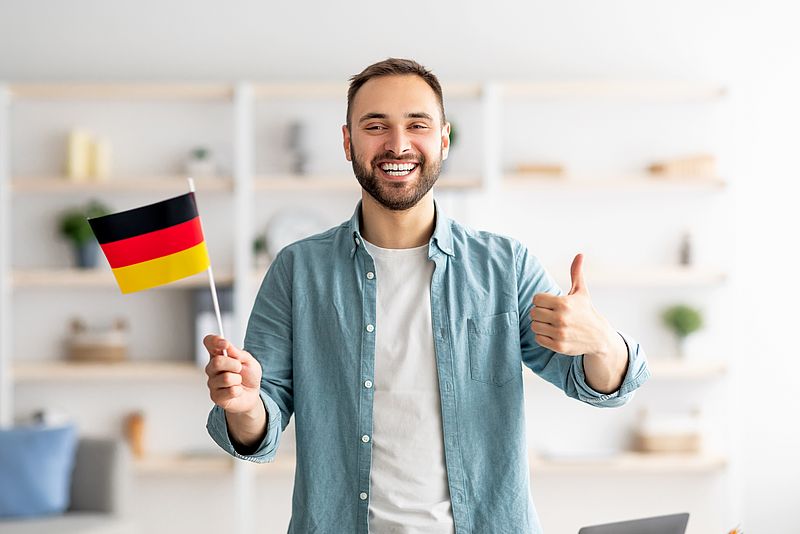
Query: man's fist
pixel 233 380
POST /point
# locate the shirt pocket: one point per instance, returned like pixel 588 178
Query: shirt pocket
pixel 494 347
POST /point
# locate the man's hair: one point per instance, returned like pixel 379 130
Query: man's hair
pixel 389 67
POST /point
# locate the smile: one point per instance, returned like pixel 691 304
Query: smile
pixel 398 169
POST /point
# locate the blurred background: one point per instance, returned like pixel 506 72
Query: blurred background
pixel 656 138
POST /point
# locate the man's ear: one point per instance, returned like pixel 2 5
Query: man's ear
pixel 346 142
pixel 445 140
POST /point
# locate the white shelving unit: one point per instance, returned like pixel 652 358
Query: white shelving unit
pixel 240 187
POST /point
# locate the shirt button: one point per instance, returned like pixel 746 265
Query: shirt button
pixel 370 275
pixel 358 241
pixel 365 438
pixel 367 384
pixel 362 496
pixel 370 328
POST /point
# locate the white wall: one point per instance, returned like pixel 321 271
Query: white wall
pixel 751 48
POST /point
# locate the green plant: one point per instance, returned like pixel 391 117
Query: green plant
pixel 260 244
pixel 682 319
pixel 200 153
pixel 453 134
pixel 74 225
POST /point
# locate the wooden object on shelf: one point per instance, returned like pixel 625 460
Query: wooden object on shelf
pixel 668 433
pixel 541 170
pixel 134 433
pixel 78 155
pixel 109 345
pixel 699 166
pixel 668 443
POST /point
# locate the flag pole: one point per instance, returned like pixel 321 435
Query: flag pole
pixel 212 285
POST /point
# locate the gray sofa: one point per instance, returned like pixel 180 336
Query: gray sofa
pixel 99 482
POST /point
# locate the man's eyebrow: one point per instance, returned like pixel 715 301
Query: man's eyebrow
pixel 413 115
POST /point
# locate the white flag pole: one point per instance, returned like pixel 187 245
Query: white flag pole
pixel 211 283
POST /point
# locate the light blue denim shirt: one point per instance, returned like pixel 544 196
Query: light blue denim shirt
pixel 313 327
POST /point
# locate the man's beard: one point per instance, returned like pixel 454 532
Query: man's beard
pixel 400 195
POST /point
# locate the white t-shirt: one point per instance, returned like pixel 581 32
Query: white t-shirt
pixel 408 481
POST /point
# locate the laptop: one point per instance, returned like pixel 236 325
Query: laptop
pixel 663 524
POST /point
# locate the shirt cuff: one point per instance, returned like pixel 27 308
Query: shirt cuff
pixel 217 426
pixel 636 375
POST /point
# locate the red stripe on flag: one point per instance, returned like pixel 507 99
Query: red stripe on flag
pixel 145 247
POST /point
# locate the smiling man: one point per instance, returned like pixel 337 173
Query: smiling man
pixel 398 340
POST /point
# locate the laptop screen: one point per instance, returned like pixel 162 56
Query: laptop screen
pixel 664 524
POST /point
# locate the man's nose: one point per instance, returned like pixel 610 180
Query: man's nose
pixel 397 141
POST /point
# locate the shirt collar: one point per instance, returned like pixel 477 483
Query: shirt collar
pixel 442 237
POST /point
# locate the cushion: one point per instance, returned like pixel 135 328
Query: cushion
pixel 36 465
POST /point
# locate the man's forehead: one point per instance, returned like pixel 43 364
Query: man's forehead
pixel 396 96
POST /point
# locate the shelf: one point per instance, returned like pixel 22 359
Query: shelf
pixel 654 277
pixel 183 464
pixel 101 277
pixel 211 463
pixel 144 184
pixel 339 90
pixel 670 91
pixel 623 463
pixel 675 369
pixel 346 183
pixel 121 91
pixel 631 463
pixel 640 183
pixel 627 90
pixel 63 371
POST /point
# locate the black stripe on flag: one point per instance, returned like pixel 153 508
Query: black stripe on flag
pixel 144 219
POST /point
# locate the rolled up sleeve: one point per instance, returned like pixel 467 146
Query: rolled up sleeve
pixel 636 375
pixel 564 371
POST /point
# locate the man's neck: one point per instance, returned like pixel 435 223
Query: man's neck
pixel 387 228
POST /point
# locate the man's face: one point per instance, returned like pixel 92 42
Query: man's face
pixel 397 140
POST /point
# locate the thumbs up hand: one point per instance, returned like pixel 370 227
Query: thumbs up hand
pixel 570 324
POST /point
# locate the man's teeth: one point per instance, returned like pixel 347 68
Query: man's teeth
pixel 398 169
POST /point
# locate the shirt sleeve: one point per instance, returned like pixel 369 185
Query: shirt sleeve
pixel 563 371
pixel 269 340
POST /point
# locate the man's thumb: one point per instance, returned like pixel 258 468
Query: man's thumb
pixel 576 274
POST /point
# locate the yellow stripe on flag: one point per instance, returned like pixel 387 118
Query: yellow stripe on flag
pixel 162 270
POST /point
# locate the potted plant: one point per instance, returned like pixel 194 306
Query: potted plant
pixel 200 163
pixel 683 320
pixel 75 227
pixel 260 252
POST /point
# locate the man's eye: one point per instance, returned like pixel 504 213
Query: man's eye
pixel 419 126
pixel 375 127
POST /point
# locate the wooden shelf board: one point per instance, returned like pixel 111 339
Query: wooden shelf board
pixel 122 91
pixel 669 276
pixel 653 90
pixel 339 90
pixel 64 371
pixel 100 277
pixel 201 464
pixel 624 463
pixel 644 182
pixel 631 463
pixel 183 464
pixel 669 91
pixel 176 184
pixel 676 369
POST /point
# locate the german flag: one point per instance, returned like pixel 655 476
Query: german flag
pixel 154 244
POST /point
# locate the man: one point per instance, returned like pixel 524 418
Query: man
pixel 397 340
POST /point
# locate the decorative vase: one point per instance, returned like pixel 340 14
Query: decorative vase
pixel 86 255
pixel 681 345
